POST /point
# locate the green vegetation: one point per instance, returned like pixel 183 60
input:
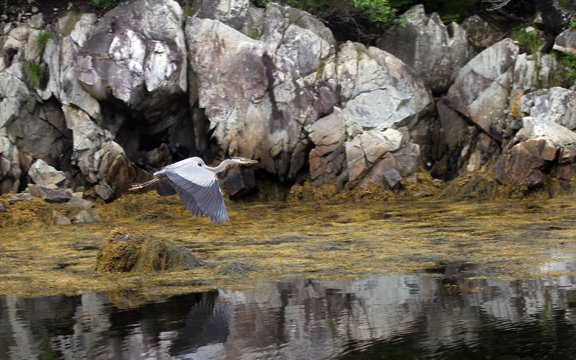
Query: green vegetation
pixel 43 39
pixel 34 74
pixel 569 62
pixel 104 4
pixel 528 39
pixel 72 18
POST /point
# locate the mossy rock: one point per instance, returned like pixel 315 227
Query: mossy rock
pixel 127 251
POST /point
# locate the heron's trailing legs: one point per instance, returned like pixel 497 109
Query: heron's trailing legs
pixel 145 185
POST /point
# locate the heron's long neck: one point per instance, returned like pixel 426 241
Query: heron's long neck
pixel 221 167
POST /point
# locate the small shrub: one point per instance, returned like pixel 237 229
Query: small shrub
pixel 529 39
pixel 43 39
pixel 569 62
pixel 104 4
pixel 34 74
pixel 260 3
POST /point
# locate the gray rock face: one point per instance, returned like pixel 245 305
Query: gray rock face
pixel 43 174
pixel 555 104
pixel 429 47
pixel 265 99
pixel 383 102
pixel 137 55
pixel 540 148
pixel 481 34
pixel 566 42
pixel 483 86
pixel 262 95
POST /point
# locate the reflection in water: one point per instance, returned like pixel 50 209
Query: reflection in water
pixel 396 316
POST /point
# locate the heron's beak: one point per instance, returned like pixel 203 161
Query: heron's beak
pixel 248 161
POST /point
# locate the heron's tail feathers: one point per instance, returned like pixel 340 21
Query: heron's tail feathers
pixel 145 186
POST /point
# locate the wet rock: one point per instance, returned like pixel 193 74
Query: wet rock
pixel 327 159
pixel 49 195
pixel 2 208
pixel 127 251
pixel 79 202
pixel 19 197
pixel 59 219
pixel 235 268
pixel 88 216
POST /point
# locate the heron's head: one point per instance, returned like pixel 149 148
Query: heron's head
pixel 243 161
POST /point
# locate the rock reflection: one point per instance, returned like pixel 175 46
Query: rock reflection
pixel 419 316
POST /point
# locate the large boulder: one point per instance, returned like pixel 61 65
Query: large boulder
pixel 263 93
pixel 555 104
pixel 381 121
pixel 137 55
pixel 487 94
pixel 541 148
pixel 482 88
pixel 291 87
pixel 435 51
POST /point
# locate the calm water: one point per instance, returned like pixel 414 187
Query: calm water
pixel 444 314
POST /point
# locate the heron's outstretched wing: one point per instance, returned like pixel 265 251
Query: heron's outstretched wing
pixel 199 191
pixel 165 187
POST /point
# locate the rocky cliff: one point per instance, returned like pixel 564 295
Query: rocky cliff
pixel 97 101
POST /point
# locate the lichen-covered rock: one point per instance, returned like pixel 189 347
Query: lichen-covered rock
pixel 127 251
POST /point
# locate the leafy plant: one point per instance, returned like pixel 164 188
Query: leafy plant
pixel 379 12
pixel 34 74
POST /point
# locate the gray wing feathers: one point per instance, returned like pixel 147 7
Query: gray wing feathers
pixel 164 187
pixel 200 194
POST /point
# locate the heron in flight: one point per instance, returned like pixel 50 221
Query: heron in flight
pixel 196 184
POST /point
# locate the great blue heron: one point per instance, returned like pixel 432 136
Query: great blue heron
pixel 196 184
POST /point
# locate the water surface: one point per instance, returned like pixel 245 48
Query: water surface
pixel 332 280
pixel 416 316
